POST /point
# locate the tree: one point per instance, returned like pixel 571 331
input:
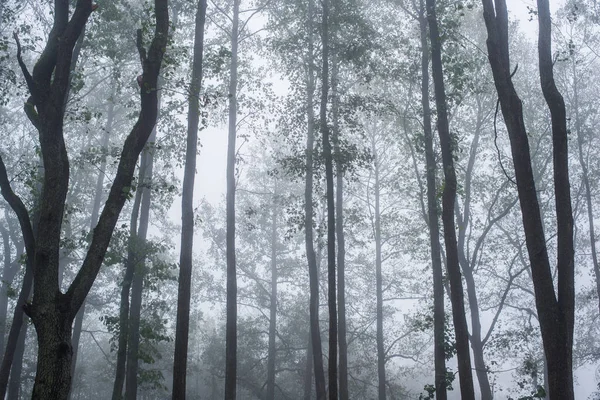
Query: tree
pixel 52 311
pixel 555 309
pixel 448 202
pixel 187 216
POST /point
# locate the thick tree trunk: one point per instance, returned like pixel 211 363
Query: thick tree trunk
pixel 317 351
pixel 187 213
pixel 14 384
pixel 378 280
pixel 231 328
pixel 432 214
pixel 331 255
pixel 448 201
pixel 273 305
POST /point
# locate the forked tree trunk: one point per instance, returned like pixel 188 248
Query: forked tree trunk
pixel 432 214
pixel 448 201
pixel 555 310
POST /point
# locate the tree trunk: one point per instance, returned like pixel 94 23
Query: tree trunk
pixel 231 328
pixel 187 214
pixel 341 251
pixel 432 214
pixel 586 181
pixel 308 370
pixel 317 351
pixel 331 255
pixel 448 201
pixel 555 313
pixel 14 384
pixel 124 307
pixel 378 280
pixel 273 305
pixel 137 286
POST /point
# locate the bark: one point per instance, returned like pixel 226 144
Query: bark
pixel 187 213
pixel 433 221
pixel 378 280
pixel 448 202
pixel 52 312
pixel 331 255
pixel 273 306
pixel 313 272
pixel 555 310
pixel 139 272
pixel 14 384
pixel 231 325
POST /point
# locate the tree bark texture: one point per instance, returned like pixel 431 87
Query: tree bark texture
pixel 448 201
pixel 52 312
pixel 187 213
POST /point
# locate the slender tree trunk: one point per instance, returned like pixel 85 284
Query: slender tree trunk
pixel 317 351
pixel 308 370
pixel 124 307
pixel 378 281
pixel 187 214
pixel 448 201
pixel 341 251
pixel 439 317
pixel 98 195
pixel 137 286
pixel 14 384
pixel 273 305
pixel 6 280
pixel 586 181
pixel 331 255
pixel 477 344
pixel 231 328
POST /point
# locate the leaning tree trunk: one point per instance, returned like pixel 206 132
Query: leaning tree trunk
pixel 432 214
pixel 231 325
pixel 555 310
pixel 448 201
pixel 187 214
pixel 315 333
